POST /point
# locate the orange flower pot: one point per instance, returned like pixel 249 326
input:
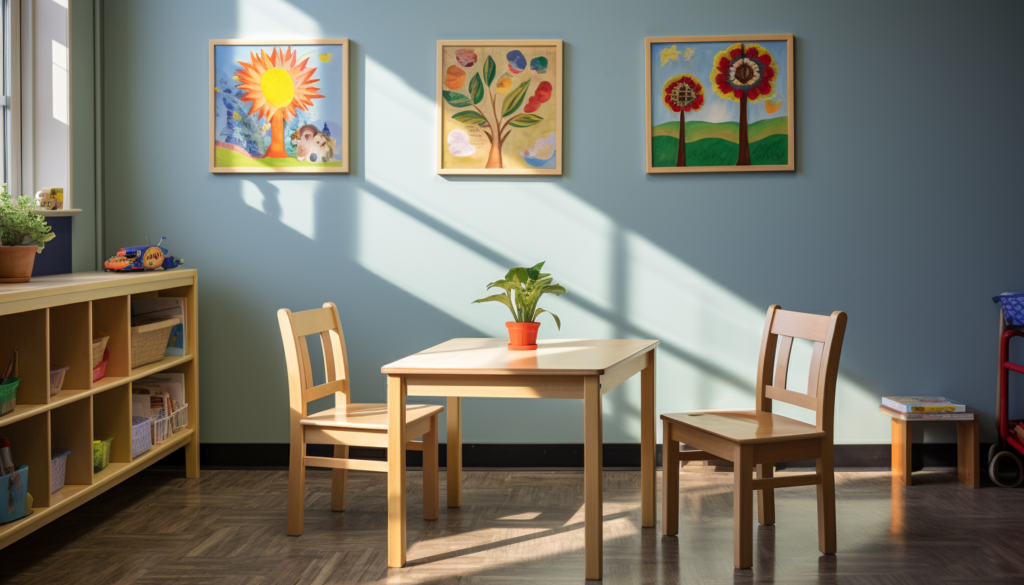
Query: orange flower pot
pixel 16 263
pixel 522 336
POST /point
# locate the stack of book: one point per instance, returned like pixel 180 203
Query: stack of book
pixel 925 408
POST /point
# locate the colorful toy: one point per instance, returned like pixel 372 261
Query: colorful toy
pixel 148 257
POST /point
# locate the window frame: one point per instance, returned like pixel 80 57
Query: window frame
pixel 11 92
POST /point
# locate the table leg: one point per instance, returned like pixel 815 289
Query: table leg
pixel 967 469
pixel 396 471
pixel 648 444
pixel 592 466
pixel 454 451
pixel 901 456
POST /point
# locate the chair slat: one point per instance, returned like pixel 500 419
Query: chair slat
pixel 812 376
pixel 316 392
pixel 790 397
pixel 312 321
pixel 802 325
pixel 782 365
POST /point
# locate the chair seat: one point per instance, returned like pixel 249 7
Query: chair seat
pixel 745 426
pixel 368 416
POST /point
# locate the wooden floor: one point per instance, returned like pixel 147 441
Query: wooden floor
pixel 519 527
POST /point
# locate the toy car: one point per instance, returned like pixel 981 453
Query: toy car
pixel 148 257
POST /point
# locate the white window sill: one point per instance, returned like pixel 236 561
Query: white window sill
pixel 58 212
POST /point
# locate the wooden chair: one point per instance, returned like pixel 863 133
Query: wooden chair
pixel 760 439
pixel 346 425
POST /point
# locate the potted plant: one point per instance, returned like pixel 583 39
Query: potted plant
pixel 523 288
pixel 23 233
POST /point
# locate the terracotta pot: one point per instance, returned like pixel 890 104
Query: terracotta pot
pixel 523 336
pixel 16 263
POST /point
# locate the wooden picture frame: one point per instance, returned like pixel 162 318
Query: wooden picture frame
pixel 481 81
pixel 690 76
pixel 248 139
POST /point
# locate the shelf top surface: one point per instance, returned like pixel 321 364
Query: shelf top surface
pixel 43 286
pixel 492 356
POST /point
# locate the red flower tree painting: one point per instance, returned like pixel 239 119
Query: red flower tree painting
pixel 743 73
pixel 681 94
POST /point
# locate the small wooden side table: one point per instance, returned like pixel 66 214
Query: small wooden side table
pixel 967 469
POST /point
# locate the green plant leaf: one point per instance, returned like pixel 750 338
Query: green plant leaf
pixel 476 89
pixel 470 117
pixel 534 271
pixel 456 99
pixel 520 274
pixel 514 99
pixel 558 322
pixel 489 71
pixel 525 120
pixel 499 299
pixel 555 289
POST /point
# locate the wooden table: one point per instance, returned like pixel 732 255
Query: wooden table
pixel 560 368
pixel 967 454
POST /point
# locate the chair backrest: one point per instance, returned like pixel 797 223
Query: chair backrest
pixel 827 333
pixel 326 323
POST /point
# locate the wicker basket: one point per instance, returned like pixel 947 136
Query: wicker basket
pixel 149 341
pixel 98 346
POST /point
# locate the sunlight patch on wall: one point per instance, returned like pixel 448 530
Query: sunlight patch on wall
pixel 275 19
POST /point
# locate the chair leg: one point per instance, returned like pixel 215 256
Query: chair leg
pixel 766 497
pixel 743 503
pixel 339 478
pixel 826 502
pixel 296 484
pixel 670 482
pixel 431 479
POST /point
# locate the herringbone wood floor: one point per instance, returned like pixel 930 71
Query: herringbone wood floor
pixel 518 527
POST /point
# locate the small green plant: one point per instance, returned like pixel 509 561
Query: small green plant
pixel 523 288
pixel 20 222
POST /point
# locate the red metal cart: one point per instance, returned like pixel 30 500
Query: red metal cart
pixel 1009 447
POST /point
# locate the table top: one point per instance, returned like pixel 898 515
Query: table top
pixel 566 357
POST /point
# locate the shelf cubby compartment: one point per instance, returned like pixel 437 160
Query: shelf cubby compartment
pixel 112 417
pixel 27 332
pixel 30 445
pixel 71 429
pixel 71 345
pixel 112 317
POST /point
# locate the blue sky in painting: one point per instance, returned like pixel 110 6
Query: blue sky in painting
pixel 700 65
pixel 326 109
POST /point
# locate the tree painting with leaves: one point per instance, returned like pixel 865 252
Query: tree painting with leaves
pixel 499 107
pixel 683 93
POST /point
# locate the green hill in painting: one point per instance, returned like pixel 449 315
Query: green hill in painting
pixel 710 152
pixel 696 131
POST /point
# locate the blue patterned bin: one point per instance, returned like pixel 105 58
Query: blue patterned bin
pixel 13 487
pixel 1013 308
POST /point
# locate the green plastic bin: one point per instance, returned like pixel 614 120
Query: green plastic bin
pixel 8 395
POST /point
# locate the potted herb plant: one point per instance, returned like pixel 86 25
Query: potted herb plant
pixel 23 233
pixel 523 288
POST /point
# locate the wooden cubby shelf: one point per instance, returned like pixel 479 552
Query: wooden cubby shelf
pixel 52 321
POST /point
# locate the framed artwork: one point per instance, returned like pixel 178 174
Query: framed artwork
pixel 499 107
pixel 279 106
pixel 719 104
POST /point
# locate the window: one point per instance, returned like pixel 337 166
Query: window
pixel 10 121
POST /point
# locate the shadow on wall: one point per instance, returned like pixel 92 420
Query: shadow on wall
pixel 438 241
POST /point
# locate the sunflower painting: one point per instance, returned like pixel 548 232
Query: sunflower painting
pixel 719 104
pixel 279 107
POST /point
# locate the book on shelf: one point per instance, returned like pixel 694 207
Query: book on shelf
pixel 926 415
pixel 922 404
pixel 151 309
pixel 161 393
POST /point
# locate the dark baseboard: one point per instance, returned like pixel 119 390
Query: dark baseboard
pixel 533 456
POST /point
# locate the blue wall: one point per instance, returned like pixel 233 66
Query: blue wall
pixel 900 212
